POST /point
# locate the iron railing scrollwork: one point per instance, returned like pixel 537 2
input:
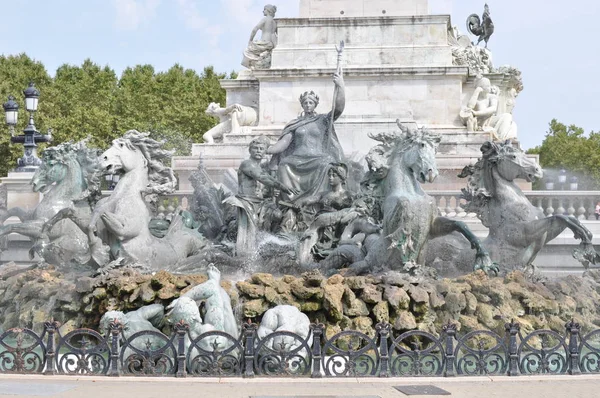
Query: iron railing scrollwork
pixel 349 353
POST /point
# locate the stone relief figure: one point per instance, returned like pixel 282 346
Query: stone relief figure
pixel 284 318
pixel 219 313
pixel 308 145
pixel 481 113
pixel 482 27
pixel 232 119
pixel 258 53
pixel 253 177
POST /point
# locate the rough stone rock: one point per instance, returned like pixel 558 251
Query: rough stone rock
pixel 311 306
pixel 332 301
pixel 436 300
pixel 160 279
pixel 313 278
pixel 395 278
pixel 168 292
pixel 254 308
pixel 355 282
pixel 397 297
pixel 353 306
pixel 381 311
pixel 471 302
pixel 84 284
pixel 147 294
pixel 418 294
pixel 264 279
pixel 281 287
pixel 336 279
pixel 371 294
pixel 455 302
pixel 99 293
pixel 251 290
pixel 405 321
pixel 486 315
pixel 305 293
pixel 364 325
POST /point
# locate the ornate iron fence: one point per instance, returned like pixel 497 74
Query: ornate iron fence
pixel 348 353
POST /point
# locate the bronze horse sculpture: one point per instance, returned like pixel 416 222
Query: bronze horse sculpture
pixel 517 229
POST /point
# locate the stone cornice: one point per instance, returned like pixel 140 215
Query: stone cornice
pixel 382 71
pixel 364 21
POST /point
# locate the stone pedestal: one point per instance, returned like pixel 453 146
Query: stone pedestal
pixel 398 64
pixel 19 192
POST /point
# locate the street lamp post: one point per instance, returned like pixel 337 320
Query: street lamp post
pixel 31 136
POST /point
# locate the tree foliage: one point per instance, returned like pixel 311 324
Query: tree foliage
pixel 92 100
pixel 568 147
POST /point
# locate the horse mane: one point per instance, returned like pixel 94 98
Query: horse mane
pixel 88 160
pixel 481 186
pixel 161 178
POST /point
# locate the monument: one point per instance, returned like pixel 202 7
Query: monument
pixel 335 228
pixel 400 62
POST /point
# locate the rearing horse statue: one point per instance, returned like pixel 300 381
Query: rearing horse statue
pixel 69 174
pixel 410 216
pixel 121 220
pixel 517 229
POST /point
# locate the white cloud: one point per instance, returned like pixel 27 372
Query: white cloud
pixel 193 19
pixel 133 13
pixel 440 6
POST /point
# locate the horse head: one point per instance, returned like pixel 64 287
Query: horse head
pixel 74 163
pixel 511 163
pixel 415 151
pixel 136 151
pixel 122 156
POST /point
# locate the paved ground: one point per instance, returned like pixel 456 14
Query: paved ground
pixel 477 387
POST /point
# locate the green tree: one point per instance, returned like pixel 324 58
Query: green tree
pixel 16 71
pixel 91 100
pixel 567 147
pixel 82 101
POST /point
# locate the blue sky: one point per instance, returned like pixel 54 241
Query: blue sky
pixel 556 44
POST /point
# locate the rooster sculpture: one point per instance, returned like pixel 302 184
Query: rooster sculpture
pixel 482 27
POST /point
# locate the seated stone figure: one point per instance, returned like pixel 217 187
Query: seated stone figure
pixel 308 145
pixel 258 53
pixel 284 318
pixel 250 200
pixel 333 209
pixel 232 119
pixel 481 113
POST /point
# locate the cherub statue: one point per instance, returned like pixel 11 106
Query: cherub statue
pixel 149 317
pixel 232 119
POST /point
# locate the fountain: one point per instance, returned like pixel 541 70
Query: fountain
pixel 326 224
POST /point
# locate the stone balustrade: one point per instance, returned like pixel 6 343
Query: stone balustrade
pixel 576 203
